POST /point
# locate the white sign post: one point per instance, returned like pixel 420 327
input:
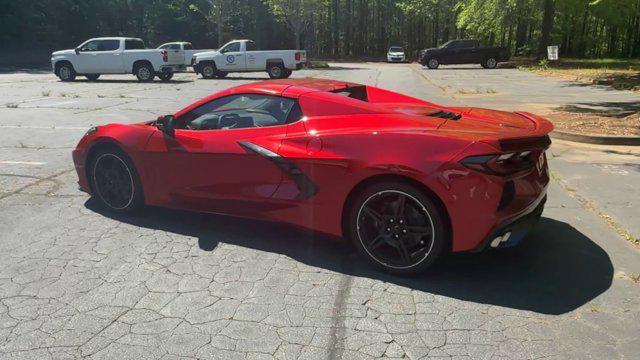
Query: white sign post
pixel 552 52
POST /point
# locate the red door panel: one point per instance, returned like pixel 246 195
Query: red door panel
pixel 209 170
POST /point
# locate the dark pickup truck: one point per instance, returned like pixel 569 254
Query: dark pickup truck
pixel 463 52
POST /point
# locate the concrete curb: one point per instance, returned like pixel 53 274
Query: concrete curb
pixel 596 139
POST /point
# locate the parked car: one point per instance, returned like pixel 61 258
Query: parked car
pixel 463 52
pixel 324 155
pixel 116 55
pixel 396 54
pixel 244 56
pixel 186 48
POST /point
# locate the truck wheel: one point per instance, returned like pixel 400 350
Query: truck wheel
pixel 145 73
pixel 490 63
pixel 92 77
pixel 208 71
pixel 286 73
pixel 275 70
pixel 66 72
pixel 164 77
pixel 221 74
pixel 433 63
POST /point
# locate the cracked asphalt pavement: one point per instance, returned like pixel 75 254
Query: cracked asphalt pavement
pixel 76 281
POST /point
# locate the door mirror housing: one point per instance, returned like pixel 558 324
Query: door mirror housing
pixel 166 124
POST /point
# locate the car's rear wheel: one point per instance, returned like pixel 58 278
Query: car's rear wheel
pixel 490 63
pixel 114 181
pixel 92 77
pixel 165 76
pixel 275 70
pixel 433 63
pixel 397 227
pixel 145 73
pixel 66 72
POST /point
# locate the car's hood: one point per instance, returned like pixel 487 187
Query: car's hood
pixel 63 52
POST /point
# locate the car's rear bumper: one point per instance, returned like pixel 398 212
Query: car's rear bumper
pixel 511 231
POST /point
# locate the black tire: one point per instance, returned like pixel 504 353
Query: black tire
pixel 208 71
pixel 432 63
pixel 287 73
pixel 490 63
pixel 275 70
pixel 144 72
pixel 164 77
pixel 221 74
pixel 92 77
pixel 66 72
pixel 114 181
pixel 400 242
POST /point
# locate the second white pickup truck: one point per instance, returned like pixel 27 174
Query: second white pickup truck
pixel 187 49
pixel 243 56
pixel 116 55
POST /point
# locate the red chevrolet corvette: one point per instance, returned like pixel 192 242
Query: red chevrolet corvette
pixel 406 180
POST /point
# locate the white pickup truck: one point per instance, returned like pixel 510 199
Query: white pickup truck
pixel 187 49
pixel 243 56
pixel 116 55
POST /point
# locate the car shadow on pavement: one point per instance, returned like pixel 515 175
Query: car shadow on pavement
pixel 555 270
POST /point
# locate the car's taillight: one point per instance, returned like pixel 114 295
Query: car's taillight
pixel 298 56
pixel 165 55
pixel 501 164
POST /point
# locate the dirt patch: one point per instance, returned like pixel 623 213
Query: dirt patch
pixel 596 123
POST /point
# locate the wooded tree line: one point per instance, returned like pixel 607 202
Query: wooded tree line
pixel 333 28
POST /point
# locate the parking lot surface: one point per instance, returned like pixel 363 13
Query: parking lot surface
pixel 76 281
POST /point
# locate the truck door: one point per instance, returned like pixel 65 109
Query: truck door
pixel 99 57
pixel 232 57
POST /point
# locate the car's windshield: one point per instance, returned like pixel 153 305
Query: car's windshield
pixel 396 49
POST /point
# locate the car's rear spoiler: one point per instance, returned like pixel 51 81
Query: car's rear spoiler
pixel 538 138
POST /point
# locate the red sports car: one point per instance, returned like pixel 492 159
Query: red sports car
pixel 406 180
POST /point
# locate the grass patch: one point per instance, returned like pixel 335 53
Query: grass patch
pixel 620 74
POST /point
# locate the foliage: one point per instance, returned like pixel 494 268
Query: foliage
pixel 333 28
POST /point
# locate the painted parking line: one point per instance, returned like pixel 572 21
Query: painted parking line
pixel 45 127
pixel 10 162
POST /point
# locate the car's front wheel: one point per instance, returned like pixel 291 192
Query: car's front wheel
pixel 208 71
pixel 114 181
pixel 66 72
pixel 397 227
pixel 433 63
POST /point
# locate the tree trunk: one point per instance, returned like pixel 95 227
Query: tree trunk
pixel 547 27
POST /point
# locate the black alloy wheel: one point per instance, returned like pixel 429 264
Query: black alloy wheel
pixel 115 182
pixel 398 228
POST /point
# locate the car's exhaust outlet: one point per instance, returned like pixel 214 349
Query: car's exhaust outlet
pixel 500 239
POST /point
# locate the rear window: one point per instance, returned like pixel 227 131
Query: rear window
pixel 133 44
pixel 395 49
pixel 188 46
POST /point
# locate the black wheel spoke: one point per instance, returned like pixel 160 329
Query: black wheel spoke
pixel 113 181
pixel 378 241
pixel 399 205
pixel 404 253
pixel 418 230
pixel 373 214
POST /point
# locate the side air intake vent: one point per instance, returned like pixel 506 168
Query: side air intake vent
pixel 445 115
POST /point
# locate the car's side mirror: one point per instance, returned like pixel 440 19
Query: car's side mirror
pixel 166 124
pixel 77 51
